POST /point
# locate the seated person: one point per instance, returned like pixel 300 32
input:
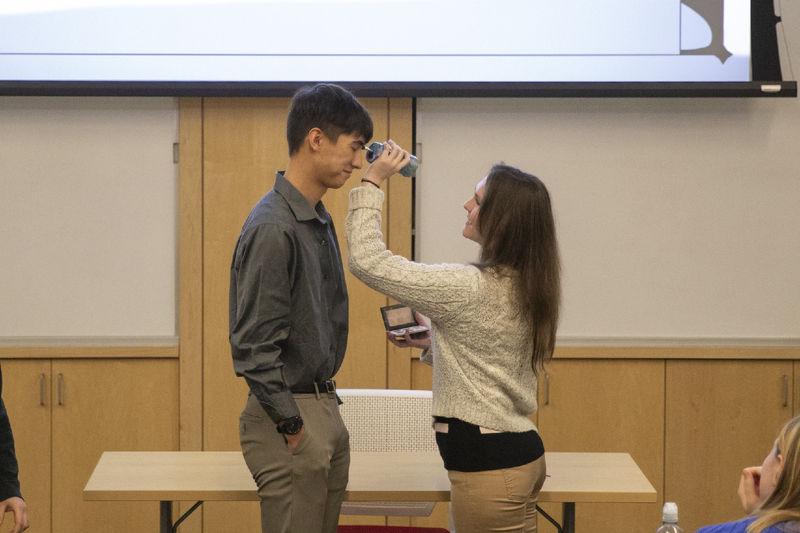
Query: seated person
pixel 770 493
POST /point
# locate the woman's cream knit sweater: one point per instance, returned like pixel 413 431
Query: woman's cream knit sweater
pixel 480 345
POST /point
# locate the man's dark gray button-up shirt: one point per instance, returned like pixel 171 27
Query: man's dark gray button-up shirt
pixel 288 300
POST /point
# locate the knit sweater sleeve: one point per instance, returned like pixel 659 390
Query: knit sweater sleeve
pixel 438 291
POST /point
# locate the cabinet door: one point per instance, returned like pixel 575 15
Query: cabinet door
pixel 108 405
pixel 721 417
pixel 606 406
pixel 796 384
pixel 27 397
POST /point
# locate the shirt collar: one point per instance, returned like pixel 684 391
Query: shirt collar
pixel 300 207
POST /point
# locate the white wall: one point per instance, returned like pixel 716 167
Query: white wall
pixel 87 217
pixel 677 218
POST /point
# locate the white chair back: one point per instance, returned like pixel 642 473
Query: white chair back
pixel 381 420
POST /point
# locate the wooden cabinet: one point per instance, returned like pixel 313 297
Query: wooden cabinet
pixel 691 426
pixel 65 413
pixel 595 405
pixel 721 417
pixel 26 393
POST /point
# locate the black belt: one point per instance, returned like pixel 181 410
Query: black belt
pixel 318 387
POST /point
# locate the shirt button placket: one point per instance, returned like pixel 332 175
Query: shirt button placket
pixel 323 244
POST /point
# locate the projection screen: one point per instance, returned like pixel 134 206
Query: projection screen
pixel 421 46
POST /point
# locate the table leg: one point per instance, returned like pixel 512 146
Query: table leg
pixel 549 519
pixel 568 518
pixel 165 525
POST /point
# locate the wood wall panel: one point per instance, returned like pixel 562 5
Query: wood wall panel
pixel 243 144
pixel 399 215
pixel 190 271
pixel 190 285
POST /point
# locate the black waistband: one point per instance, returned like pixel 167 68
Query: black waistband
pixel 464 448
pixel 318 387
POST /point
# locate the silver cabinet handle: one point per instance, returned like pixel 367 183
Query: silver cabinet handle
pixel 785 390
pixel 60 389
pixel 546 388
pixel 42 390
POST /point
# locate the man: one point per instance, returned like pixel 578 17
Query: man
pixel 288 319
pixel 10 498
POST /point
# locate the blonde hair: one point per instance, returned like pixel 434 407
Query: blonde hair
pixel 784 502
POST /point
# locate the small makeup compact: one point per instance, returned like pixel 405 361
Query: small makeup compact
pixel 399 321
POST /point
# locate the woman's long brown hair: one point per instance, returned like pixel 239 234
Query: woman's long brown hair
pixel 518 230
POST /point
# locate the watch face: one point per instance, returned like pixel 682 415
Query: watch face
pixel 291 426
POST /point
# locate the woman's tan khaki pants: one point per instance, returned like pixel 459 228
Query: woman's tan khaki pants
pixel 496 500
pixel 300 492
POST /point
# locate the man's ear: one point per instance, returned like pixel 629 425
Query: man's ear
pixel 315 139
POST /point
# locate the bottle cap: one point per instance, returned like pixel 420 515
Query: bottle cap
pixel 670 513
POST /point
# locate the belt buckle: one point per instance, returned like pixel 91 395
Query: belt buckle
pixel 326 387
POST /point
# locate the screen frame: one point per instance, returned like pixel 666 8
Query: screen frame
pixel 408 89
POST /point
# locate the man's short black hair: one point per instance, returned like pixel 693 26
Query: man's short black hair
pixel 329 107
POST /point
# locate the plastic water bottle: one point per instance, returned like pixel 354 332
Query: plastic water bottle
pixel 669 519
pixel 374 151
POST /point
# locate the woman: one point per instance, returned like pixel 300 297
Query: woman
pixel 493 326
pixel 770 493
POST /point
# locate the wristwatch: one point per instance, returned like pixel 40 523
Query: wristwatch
pixel 290 426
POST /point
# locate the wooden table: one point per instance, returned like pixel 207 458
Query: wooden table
pixel 374 476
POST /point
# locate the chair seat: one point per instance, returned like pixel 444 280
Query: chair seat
pixel 388 508
pixel 389 529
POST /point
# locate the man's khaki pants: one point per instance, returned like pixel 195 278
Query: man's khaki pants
pixel 300 492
